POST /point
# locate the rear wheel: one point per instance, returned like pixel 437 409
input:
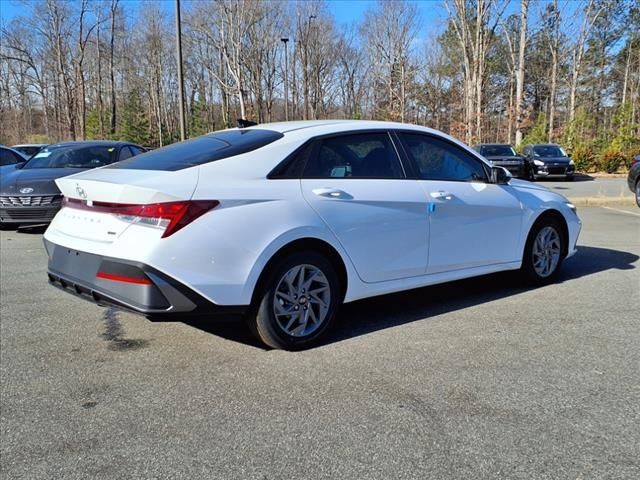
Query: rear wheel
pixel 543 253
pixel 638 193
pixel 297 303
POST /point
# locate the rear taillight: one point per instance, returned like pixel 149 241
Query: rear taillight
pixel 171 216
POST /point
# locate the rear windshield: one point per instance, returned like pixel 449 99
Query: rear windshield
pixel 200 150
pixel 497 151
pixel 92 156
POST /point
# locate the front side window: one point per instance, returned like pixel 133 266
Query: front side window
pixel 437 159
pixel 363 155
pixel 73 157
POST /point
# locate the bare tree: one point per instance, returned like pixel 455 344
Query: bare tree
pixel 524 10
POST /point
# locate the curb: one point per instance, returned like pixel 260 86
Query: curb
pixel 601 201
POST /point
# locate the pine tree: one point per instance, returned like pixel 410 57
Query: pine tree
pixel 133 124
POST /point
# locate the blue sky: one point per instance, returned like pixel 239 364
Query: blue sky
pixel 432 12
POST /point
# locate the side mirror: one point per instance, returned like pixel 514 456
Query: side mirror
pixel 500 175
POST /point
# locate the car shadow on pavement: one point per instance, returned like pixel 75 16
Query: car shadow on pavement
pixel 379 313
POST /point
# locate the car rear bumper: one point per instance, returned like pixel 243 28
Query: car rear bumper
pixel 130 286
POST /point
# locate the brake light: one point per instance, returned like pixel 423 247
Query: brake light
pixel 172 216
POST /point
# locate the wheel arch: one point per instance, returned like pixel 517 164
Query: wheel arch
pixel 307 243
pixel 552 213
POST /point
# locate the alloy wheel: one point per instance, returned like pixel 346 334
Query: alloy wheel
pixel 301 300
pixel 546 251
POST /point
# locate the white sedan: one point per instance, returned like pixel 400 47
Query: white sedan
pixel 284 222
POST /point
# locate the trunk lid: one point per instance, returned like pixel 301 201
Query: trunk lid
pixel 117 186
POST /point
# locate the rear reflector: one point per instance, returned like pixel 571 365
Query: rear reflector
pixel 170 215
pixel 122 278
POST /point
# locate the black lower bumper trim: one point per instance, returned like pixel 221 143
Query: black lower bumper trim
pixel 75 272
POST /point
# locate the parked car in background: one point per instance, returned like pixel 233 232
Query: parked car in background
pixel 503 155
pixel 284 222
pixel 548 161
pixel 28 193
pixel 29 149
pixel 633 179
pixel 10 158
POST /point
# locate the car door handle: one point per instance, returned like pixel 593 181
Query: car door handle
pixel 442 195
pixel 329 192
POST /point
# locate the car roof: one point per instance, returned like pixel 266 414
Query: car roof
pixel 494 145
pixel 313 127
pixel 30 145
pixel 302 130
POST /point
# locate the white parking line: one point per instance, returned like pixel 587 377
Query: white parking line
pixel 623 211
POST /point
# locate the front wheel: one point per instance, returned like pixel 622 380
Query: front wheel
pixel 638 193
pixel 543 253
pixel 298 302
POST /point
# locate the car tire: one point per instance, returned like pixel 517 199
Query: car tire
pixel 638 193
pixel 297 302
pixel 543 252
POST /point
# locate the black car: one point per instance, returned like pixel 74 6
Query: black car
pixel 28 193
pixel 633 179
pixel 503 155
pixel 548 161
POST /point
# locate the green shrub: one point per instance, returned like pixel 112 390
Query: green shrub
pixel 584 158
pixel 612 159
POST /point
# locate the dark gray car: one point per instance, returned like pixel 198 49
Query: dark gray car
pixel 548 161
pixel 503 155
pixel 28 193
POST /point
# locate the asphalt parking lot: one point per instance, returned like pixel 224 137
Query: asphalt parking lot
pixel 475 379
pixel 612 188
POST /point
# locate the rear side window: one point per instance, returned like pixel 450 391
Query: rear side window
pixel 201 150
pixel 365 155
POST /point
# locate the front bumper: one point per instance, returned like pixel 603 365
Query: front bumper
pixel 29 210
pixel 553 171
pixel 128 286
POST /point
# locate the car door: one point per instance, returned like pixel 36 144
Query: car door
pixel 356 183
pixel 473 222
